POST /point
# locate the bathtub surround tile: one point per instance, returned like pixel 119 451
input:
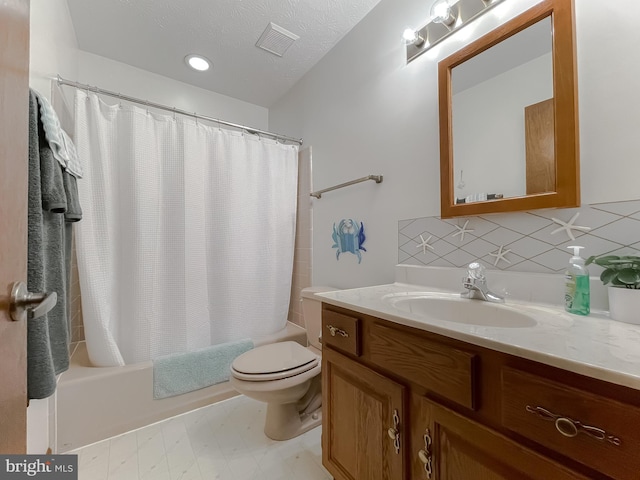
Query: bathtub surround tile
pixel 223 441
pixel 75 300
pixel 615 229
pixel 302 266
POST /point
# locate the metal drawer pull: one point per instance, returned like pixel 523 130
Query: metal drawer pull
pixel 570 428
pixel 425 455
pixel 394 432
pixel 337 331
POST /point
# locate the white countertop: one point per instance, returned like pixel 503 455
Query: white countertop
pixel 593 345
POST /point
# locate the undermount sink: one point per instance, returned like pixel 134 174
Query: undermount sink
pixel 452 308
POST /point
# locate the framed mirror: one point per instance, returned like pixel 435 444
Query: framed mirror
pixel 509 117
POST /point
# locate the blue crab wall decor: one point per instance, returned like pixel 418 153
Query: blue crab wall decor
pixel 348 237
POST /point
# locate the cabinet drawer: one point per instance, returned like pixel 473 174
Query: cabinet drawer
pixel 442 369
pixel 596 431
pixel 341 332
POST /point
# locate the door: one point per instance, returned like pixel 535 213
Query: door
pixel 540 147
pixel 14 110
pixel 452 447
pixel 363 421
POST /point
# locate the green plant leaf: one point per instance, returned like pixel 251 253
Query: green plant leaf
pixel 608 276
pixel 605 261
pixel 619 271
pixel 629 276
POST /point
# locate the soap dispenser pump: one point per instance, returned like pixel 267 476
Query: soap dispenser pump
pixel 577 296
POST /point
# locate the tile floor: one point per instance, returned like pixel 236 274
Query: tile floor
pixel 224 441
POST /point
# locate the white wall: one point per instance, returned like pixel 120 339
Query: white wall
pixel 53 49
pixel 127 80
pixel 365 111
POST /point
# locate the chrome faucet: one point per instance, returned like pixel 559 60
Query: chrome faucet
pixel 475 284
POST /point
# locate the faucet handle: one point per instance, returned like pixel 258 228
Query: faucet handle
pixel 476 271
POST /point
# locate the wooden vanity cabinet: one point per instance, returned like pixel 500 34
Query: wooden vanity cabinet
pixel 401 403
pixel 363 421
pixel 449 446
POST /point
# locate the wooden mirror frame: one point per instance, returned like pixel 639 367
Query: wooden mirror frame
pixel 565 97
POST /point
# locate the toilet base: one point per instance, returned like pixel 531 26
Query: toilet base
pixel 284 421
pixel 288 420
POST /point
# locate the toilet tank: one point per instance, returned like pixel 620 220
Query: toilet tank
pixel 312 313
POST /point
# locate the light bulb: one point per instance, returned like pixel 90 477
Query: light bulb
pixel 411 37
pixel 197 62
pixel 441 13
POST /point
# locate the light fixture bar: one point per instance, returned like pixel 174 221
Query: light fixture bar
pixel 435 32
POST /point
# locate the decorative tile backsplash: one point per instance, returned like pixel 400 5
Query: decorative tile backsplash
pixel 533 241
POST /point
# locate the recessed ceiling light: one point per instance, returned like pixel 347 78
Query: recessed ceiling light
pixel 197 62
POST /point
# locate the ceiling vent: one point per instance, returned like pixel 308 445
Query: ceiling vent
pixel 276 39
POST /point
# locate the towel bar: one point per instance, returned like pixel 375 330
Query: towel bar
pixel 377 178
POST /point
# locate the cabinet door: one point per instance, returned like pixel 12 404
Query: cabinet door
pixel 453 447
pixel 363 421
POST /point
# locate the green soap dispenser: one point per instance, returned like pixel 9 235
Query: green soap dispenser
pixel 576 297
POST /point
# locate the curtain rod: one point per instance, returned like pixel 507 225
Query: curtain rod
pixel 100 91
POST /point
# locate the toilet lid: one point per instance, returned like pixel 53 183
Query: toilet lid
pixel 276 358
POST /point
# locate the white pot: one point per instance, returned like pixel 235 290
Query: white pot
pixel 624 304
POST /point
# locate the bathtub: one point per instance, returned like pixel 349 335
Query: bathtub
pixel 94 403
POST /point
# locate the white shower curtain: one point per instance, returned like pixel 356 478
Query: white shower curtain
pixel 187 237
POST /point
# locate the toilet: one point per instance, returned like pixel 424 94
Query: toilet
pixel 286 376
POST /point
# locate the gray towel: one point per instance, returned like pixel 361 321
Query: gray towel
pixel 73 212
pixel 47 266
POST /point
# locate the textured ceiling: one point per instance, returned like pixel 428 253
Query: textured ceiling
pixel 156 35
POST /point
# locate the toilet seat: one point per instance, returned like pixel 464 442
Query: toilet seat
pixel 274 362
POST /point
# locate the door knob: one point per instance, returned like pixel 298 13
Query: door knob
pixel 27 305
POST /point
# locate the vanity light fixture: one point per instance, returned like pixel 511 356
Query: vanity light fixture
pixel 446 17
pixel 197 62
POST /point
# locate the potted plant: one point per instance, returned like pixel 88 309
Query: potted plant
pixel 622 275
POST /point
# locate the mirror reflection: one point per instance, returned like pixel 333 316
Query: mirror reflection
pixel 502 112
